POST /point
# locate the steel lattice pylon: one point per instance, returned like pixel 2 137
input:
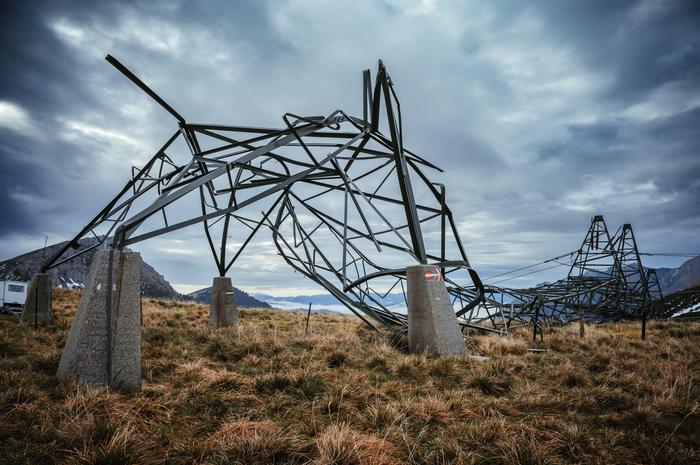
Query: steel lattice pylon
pixel 349 207
pixel 606 282
pixel 339 194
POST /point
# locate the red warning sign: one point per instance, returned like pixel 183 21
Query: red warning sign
pixel 433 275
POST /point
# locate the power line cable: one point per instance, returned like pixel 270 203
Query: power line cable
pixel 530 266
pixel 529 273
pixel 670 254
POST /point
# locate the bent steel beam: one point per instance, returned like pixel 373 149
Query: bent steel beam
pixel 337 195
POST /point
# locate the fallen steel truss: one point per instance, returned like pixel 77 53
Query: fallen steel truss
pixel 347 204
pixel 349 207
pixel 606 282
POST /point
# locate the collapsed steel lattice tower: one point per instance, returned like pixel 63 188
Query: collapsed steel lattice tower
pixel 350 208
pixel 347 204
pixel 606 281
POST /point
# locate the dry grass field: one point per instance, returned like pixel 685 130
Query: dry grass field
pixel 266 393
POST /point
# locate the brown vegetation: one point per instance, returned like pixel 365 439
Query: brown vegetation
pixel 266 393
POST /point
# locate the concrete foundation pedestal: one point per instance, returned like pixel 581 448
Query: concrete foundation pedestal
pixel 223 310
pixel 96 354
pixel 37 307
pixel 432 324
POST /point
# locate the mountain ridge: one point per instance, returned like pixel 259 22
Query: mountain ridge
pixel 72 274
pixel 242 298
pixel 676 279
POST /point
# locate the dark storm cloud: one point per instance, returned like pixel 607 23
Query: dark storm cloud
pixel 16 218
pixel 45 78
pixel 644 43
pixel 39 71
pixel 544 114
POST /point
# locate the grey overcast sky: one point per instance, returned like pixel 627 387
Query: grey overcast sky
pixel 543 113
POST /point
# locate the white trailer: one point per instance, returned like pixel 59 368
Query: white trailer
pixel 12 296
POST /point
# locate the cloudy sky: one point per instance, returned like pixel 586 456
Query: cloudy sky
pixel 544 114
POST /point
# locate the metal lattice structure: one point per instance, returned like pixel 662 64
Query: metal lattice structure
pixel 349 207
pixel 347 204
pixel 606 282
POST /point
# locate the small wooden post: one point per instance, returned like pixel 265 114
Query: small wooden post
pixel 534 324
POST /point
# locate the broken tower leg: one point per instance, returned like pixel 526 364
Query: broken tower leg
pixel 432 324
pixel 223 310
pixel 97 353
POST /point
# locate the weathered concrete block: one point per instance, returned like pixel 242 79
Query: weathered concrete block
pixel 223 310
pixel 87 356
pixel 37 307
pixel 432 324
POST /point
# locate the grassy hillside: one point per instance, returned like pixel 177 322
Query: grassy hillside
pixel 266 393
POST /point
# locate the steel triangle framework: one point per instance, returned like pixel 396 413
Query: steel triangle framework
pixel 347 205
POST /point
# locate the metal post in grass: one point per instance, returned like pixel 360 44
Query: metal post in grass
pixel 644 323
pixel 308 316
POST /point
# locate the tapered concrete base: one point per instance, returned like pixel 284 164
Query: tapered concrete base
pixel 223 310
pixel 37 307
pixel 87 357
pixel 432 324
